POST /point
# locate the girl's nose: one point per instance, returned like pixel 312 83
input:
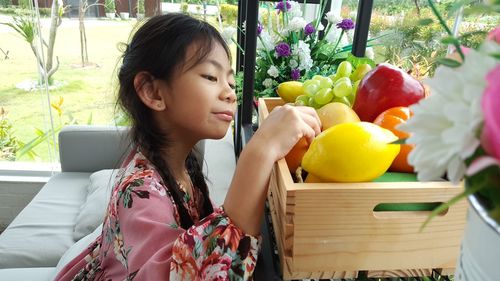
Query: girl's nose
pixel 229 94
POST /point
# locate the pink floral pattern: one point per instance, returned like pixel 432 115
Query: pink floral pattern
pixel 142 239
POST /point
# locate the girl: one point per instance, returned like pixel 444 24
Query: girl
pixel 177 86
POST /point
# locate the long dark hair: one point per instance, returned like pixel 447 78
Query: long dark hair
pixel 159 48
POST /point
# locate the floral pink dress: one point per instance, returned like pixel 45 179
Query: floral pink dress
pixel 142 239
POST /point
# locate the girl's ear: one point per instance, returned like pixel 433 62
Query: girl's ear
pixel 148 91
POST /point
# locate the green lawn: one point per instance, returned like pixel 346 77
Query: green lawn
pixel 89 90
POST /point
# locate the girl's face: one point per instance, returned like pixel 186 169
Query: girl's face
pixel 201 102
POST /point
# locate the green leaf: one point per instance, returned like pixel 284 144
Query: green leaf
pixel 355 61
pixel 443 207
pixel 496 55
pixel 424 22
pixel 400 141
pixel 448 62
pixel 450 40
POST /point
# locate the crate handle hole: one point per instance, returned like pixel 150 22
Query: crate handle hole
pixel 411 209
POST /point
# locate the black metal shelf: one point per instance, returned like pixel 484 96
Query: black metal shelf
pixel 267 268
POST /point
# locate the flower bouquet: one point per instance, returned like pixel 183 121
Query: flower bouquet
pixel 456 130
pixel 291 48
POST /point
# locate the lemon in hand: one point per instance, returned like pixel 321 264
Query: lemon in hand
pixel 351 152
pixel 290 90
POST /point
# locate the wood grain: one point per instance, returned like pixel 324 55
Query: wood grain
pixel 329 230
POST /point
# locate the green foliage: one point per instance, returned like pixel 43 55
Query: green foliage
pixel 24 26
pixel 24 4
pixel 140 7
pixel 9 144
pixel 229 13
pixel 109 6
pixel 45 12
pixel 5 3
pixel 184 8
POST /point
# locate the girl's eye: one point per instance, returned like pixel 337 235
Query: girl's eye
pixel 232 86
pixel 210 78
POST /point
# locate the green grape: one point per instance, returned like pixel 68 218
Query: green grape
pixel 300 103
pixel 323 96
pixel 360 72
pixel 343 100
pixel 342 89
pixel 309 82
pixel 317 77
pixel 344 69
pixel 313 103
pixel 352 96
pixel 302 99
pixel 342 79
pixel 333 78
pixel 311 89
pixel 325 83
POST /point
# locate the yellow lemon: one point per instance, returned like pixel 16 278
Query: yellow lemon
pixel 290 90
pixel 336 113
pixel 351 152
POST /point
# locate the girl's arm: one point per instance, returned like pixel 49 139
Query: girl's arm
pixel 276 136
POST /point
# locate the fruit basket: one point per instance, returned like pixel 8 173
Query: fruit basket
pixel 330 230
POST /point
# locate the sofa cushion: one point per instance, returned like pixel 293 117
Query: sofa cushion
pixel 76 249
pixel 43 231
pixel 31 274
pixel 93 210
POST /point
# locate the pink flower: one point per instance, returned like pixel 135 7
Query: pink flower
pixel 494 35
pixel 490 136
pixel 491 103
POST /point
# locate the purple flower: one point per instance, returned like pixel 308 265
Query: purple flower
pixel 259 29
pixel 283 50
pixel 346 24
pixel 295 74
pixel 281 6
pixel 309 29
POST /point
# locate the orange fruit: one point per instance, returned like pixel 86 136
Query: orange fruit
pixel 312 179
pixel 389 119
pixel 294 157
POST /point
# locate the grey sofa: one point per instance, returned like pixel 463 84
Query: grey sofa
pixel 65 215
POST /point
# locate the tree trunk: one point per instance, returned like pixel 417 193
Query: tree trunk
pixel 83 47
pixel 54 24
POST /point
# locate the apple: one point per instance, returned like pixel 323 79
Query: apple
pixel 384 87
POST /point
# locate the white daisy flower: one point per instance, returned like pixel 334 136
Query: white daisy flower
pixel 444 127
pixel 332 18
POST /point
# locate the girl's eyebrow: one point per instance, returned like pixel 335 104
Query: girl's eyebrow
pixel 219 66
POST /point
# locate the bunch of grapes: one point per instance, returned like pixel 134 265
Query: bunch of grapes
pixel 339 87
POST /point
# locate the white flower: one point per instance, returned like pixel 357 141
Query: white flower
pixel 303 52
pixel 445 125
pixel 228 33
pixel 295 10
pixel 296 24
pixel 265 42
pixel 369 53
pixel 333 37
pixel 273 71
pixel 332 18
pixel 268 83
pixel 293 63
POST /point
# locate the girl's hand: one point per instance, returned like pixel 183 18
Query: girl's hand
pixel 284 127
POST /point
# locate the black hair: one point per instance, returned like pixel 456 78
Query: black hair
pixel 159 47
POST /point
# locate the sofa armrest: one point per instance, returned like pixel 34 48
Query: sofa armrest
pixel 89 148
pixel 86 148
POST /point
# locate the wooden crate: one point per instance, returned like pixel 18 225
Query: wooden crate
pixel 329 230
